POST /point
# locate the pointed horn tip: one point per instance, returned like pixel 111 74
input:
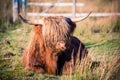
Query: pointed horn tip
pixel 90 12
pixel 79 19
pixel 23 19
pixel 20 15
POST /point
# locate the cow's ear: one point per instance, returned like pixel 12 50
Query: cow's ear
pixel 60 45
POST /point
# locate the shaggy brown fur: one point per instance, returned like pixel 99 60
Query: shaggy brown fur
pixel 37 56
pixel 44 55
pixel 56 29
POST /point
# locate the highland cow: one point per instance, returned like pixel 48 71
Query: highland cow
pixel 53 49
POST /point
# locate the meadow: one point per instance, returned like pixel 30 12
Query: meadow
pixel 100 35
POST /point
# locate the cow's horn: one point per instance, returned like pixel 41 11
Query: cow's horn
pixel 80 19
pixel 31 22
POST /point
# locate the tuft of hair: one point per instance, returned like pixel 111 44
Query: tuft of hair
pixel 56 29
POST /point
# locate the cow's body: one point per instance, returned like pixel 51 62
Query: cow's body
pixel 46 60
pixel 42 56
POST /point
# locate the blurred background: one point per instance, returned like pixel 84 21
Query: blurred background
pixel 100 33
pixel 85 6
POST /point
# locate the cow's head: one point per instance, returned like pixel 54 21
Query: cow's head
pixel 56 31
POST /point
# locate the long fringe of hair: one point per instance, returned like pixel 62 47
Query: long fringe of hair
pixel 56 29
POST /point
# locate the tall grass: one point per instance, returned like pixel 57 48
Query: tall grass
pixel 114 68
pixel 95 67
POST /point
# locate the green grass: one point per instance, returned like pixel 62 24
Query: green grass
pixel 100 35
pixel 101 46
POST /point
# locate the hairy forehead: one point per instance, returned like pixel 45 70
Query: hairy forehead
pixel 56 29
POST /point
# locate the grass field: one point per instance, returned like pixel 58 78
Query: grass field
pixel 101 37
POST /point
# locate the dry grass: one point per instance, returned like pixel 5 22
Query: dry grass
pixel 97 33
pixel 114 68
pixel 101 49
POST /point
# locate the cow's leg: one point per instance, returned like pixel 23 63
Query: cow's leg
pixel 27 65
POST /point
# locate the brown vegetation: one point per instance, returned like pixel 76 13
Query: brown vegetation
pixel 114 68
